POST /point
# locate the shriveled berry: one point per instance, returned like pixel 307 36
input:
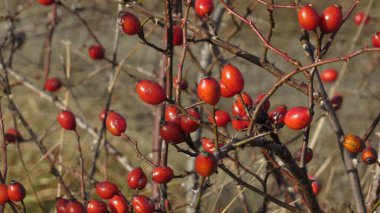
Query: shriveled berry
pixel 308 154
pixel 369 155
pixel 353 143
pixel 12 135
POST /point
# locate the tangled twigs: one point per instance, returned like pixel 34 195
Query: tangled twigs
pixel 139 154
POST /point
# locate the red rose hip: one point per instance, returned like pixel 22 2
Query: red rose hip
pixel 130 24
pixel 187 124
pixel 16 191
pixel 150 92
pixel 137 179
pixel 46 2
pixel 172 132
pixel 12 135
pixel 204 7
pixel 205 164
pixel 369 155
pixel 221 117
pixel 96 206
pixel 4 198
pixel 118 204
pixel 298 118
pixel 361 17
pixel 209 90
pixel 96 52
pixel 67 120
pixel 308 18
pixel 331 19
pixel 52 84
pixel 376 40
pixel 232 79
pixel 162 174
pixel 329 75
pixel 142 204
pixel 106 189
pixel 115 123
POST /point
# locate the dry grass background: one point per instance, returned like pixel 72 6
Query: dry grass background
pixel 356 114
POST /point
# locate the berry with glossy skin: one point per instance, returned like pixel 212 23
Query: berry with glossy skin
pixel 142 204
pixel 240 124
pixel 172 114
pixel 221 117
pixel 187 124
pixel 16 191
pixel 369 155
pixel 52 84
pixel 115 123
pixel 232 79
pixel 277 115
pixel 150 92
pixel 46 2
pixel 96 52
pixel 376 40
pixel 246 99
pixel 118 204
pixel 177 35
pixel 298 155
pixel 209 90
pixel 298 118
pixel 67 120
pixel 353 144
pixel 137 179
pixel 172 132
pixel 361 17
pixel 331 19
pixel 208 144
pixel 130 24
pixel 204 7
pixel 162 174
pixel 205 164
pixel 75 207
pixel 308 18
pixel 315 184
pixel 4 198
pixel 225 93
pixel 12 135
pixel 106 189
pixel 183 85
pixel 258 100
pixel 329 75
pixel 96 206
pixel 336 101
pixel 61 205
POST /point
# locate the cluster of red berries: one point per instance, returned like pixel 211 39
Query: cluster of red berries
pixel 329 21
pixel 14 192
pixel 354 144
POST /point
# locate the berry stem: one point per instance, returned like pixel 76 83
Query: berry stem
pixel 82 182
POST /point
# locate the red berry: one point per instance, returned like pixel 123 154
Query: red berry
pixel 224 91
pixel 53 84
pixel 96 52
pixel 308 156
pixel 16 191
pixel 118 204
pixel 329 75
pixel 137 179
pixel 183 83
pixel 46 2
pixel 162 174
pixel 96 206
pixel 209 90
pixel 336 101
pixel 376 40
pixel 204 7
pixel 298 118
pixel 258 100
pixel 115 123
pixel 177 35
pixel 4 198
pixel 61 205
pixel 315 184
pixel 106 189
pixel 142 204
pixel 221 117
pixel 130 24
pixel 240 124
pixel 359 18
pixel 103 114
pixel 187 124
pixel 172 114
pixel 205 164
pixel 150 92
pixel 232 78
pixel 277 115
pixel 246 99
pixel 353 143
pixel 67 120
pixel 172 132
pixel 331 19
pixel 75 207
pixel 369 155
pixel 12 135
pixel 308 18
pixel 208 144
